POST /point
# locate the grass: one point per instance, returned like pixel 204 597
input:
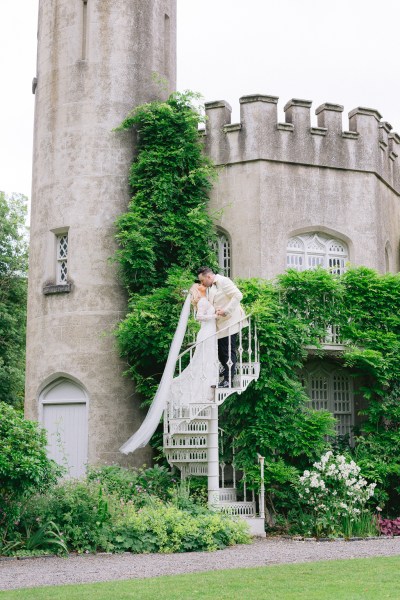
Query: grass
pixel 354 579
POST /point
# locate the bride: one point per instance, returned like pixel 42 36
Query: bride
pixel 195 383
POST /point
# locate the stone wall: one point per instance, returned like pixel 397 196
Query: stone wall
pixel 95 63
pixel 282 179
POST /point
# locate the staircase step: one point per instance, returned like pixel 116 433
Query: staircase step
pixel 221 394
pixel 228 494
pixel 244 509
pixel 182 455
pixel 197 469
pixel 185 440
pixel 195 427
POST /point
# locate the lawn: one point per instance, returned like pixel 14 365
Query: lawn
pixel 355 579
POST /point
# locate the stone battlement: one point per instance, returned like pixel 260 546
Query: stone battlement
pixel 369 145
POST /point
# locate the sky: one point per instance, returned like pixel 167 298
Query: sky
pixel 345 52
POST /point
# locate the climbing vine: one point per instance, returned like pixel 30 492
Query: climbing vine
pixel 272 416
pixel 167 224
pixel 165 235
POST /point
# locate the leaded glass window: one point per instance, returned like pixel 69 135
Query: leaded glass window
pixel 222 248
pixel 310 250
pixel 332 391
pixel 62 259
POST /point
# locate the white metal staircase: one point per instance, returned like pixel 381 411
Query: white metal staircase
pixel 189 396
pixel 191 427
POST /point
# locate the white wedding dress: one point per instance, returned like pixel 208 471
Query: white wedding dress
pixel 193 384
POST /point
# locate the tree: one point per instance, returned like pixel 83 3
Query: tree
pixel 13 291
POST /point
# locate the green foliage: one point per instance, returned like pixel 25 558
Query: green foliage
pixel 271 417
pixel 117 509
pixel 80 510
pixel 145 335
pixel 134 484
pixel 24 466
pixel 166 528
pixel 13 289
pixel 166 223
pixel 377 450
pixel 36 540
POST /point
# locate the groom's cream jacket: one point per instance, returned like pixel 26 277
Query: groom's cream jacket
pixel 225 295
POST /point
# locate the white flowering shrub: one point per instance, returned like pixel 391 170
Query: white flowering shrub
pixel 335 495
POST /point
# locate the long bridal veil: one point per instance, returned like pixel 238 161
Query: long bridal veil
pixel 152 419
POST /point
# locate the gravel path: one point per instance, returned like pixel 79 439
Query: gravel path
pixel 17 573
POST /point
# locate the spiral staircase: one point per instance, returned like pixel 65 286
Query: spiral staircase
pixel 191 429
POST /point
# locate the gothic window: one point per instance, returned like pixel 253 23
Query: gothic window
pixel 62 258
pixel 332 391
pixel 310 250
pixel 223 250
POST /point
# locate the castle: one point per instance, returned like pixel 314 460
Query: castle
pixel 291 194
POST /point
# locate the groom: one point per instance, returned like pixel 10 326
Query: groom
pixel 225 297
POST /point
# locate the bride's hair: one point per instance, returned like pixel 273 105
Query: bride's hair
pixel 194 294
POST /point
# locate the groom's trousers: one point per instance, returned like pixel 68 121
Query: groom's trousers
pixel 226 351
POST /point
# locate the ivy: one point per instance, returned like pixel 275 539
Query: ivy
pixel 165 235
pixel 167 224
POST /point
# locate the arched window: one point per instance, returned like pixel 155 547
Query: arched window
pixel 222 248
pixel 310 250
pixel 332 391
pixel 63 410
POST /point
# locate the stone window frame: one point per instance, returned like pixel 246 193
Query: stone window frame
pixel 315 248
pixel 57 283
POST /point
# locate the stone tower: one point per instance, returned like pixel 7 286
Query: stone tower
pixel 95 63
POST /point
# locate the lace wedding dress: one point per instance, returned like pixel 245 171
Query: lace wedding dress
pixel 193 384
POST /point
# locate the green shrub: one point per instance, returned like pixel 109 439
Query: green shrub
pixel 166 528
pixel 24 466
pixel 134 484
pixel 81 511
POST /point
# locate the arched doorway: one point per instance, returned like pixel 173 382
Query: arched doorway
pixel 63 413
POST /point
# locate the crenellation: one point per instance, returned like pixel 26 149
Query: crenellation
pixel 218 115
pixel 394 143
pixel 366 121
pixel 329 116
pixel 258 111
pixel 350 135
pixel 297 112
pixel 318 130
pixel 232 127
pixel 259 115
pixel 285 126
pixel 369 145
